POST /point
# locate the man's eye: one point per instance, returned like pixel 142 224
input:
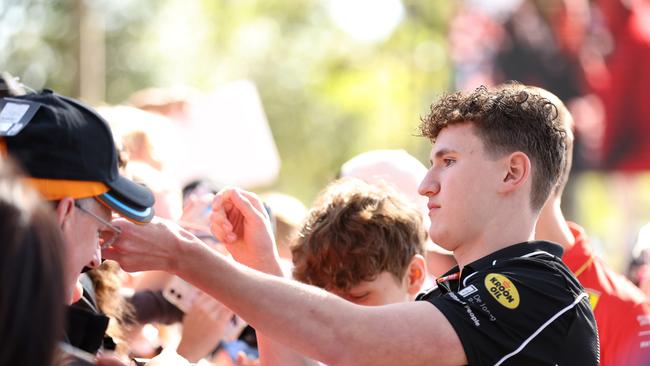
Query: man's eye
pixel 449 162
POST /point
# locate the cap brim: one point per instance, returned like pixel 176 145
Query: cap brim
pixel 129 199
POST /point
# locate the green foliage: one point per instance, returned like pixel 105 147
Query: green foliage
pixel 327 96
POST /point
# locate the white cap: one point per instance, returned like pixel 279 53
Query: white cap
pixel 398 169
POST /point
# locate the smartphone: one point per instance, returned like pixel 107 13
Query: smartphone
pixel 180 293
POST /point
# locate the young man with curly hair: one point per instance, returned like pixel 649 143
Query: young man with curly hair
pixel 511 301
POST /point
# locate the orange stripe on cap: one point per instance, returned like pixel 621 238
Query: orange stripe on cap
pixel 56 189
pixel 3 147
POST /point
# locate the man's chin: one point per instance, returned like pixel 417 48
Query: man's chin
pixel 430 246
pixel 442 244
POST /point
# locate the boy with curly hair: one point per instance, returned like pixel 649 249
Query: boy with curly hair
pixel 363 243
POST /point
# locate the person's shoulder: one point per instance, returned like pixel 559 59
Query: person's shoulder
pixel 538 271
pixel 540 259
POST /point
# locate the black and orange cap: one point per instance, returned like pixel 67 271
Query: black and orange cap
pixel 68 150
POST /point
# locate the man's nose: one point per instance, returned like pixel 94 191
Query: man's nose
pixel 430 185
pixel 97 258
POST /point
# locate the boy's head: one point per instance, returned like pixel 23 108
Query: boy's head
pixel 508 119
pixel 363 243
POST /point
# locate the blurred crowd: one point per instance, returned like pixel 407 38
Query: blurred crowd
pixel 71 176
pixel 593 55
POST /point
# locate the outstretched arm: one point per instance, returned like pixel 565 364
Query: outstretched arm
pixel 315 323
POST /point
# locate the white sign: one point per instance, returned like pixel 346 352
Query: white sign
pixel 226 139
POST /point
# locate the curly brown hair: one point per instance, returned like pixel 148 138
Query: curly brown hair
pixel 508 119
pixel 354 232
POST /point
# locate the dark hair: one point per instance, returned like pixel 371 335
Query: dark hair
pixel 32 292
pixel 354 232
pixel 508 119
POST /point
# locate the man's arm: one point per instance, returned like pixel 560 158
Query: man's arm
pixel 272 353
pixel 310 320
pixel 323 326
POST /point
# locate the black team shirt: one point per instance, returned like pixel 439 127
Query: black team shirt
pixel 519 306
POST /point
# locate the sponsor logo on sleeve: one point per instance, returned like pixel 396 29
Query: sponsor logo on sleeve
pixel 502 290
pixel 476 300
pixel 472 317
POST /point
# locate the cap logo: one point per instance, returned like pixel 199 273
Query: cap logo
pixel 502 290
pixel 15 114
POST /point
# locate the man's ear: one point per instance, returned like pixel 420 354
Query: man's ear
pixel 64 211
pixel 517 172
pixel 416 273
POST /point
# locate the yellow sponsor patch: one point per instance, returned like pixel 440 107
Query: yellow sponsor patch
pixel 502 289
pixel 594 296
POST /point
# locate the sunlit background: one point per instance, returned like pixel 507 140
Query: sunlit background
pixel 335 77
